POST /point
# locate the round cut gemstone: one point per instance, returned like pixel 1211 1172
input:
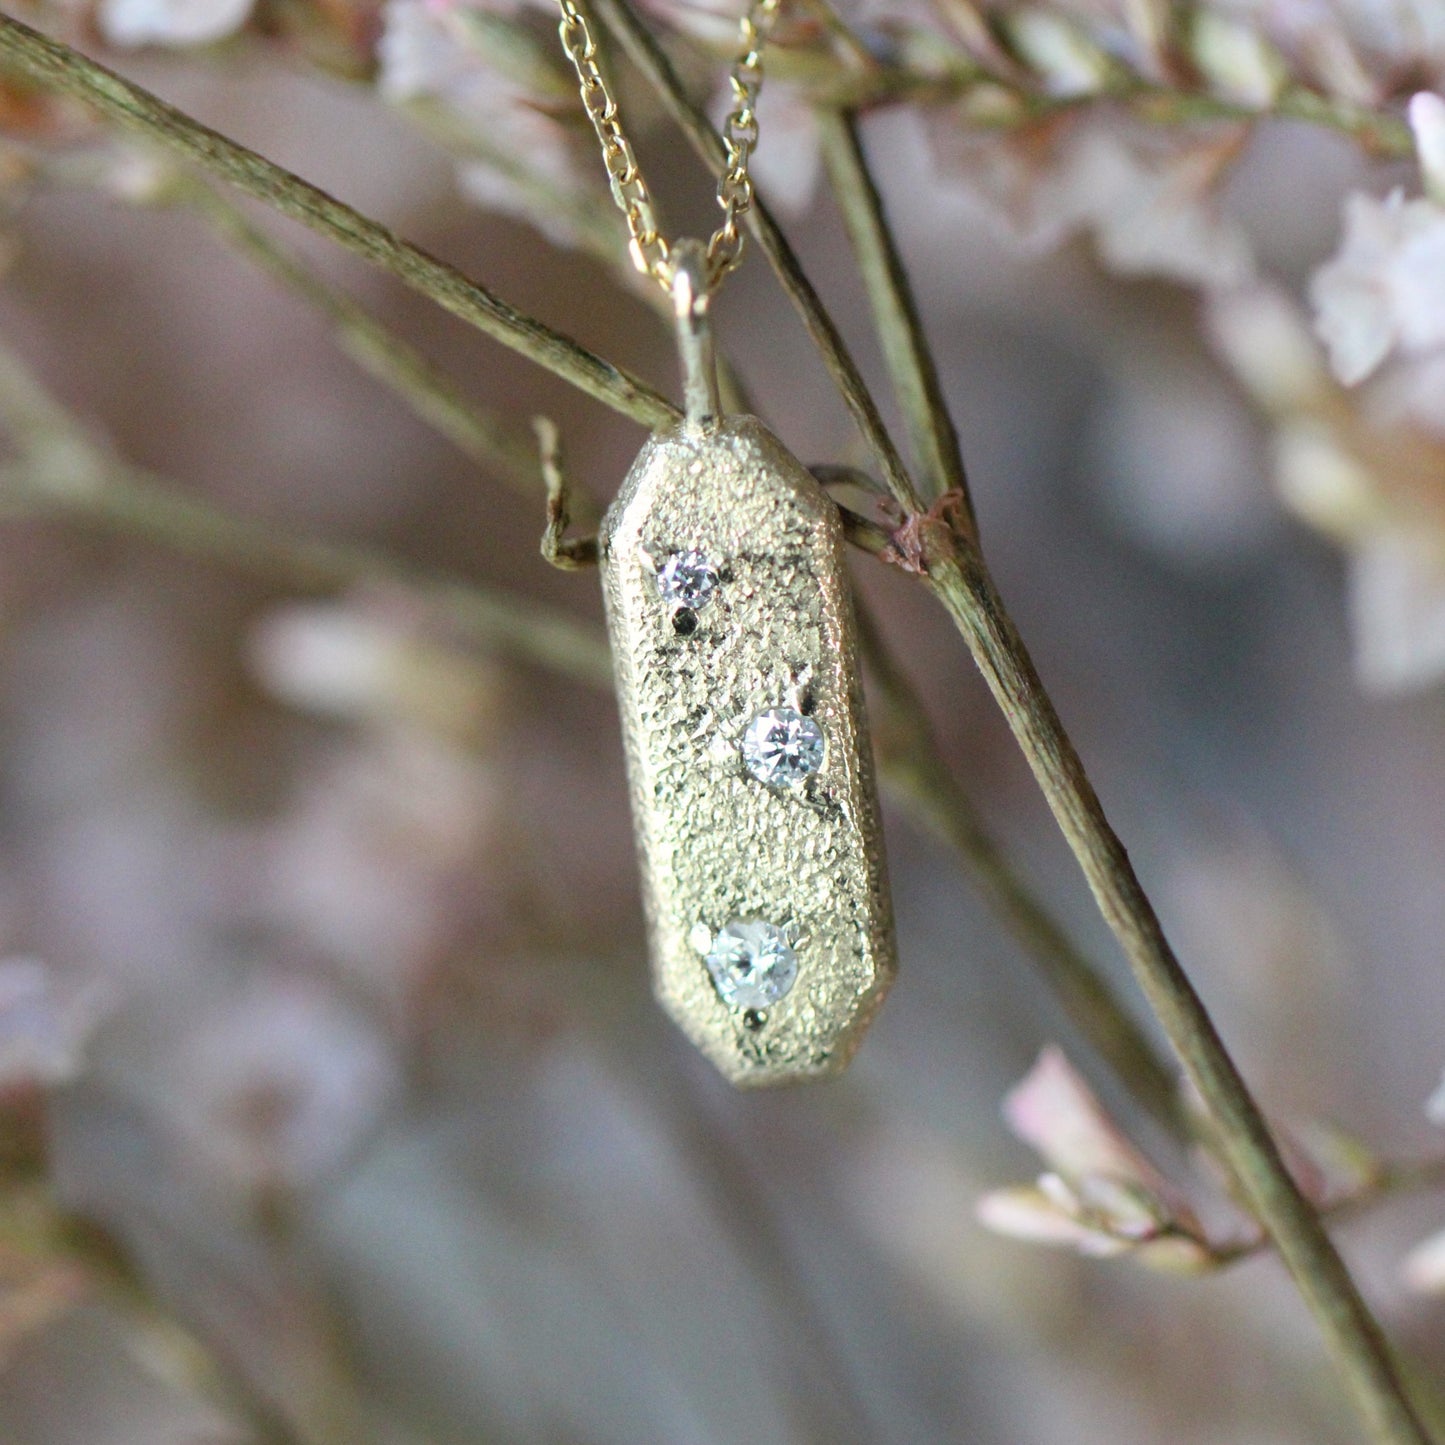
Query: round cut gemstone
pixel 781 746
pixel 687 579
pixel 752 964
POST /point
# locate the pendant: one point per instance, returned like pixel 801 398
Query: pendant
pixel 749 764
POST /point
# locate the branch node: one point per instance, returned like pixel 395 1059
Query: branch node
pixel 918 544
pixel 568 554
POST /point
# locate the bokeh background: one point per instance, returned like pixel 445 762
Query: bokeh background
pixel 338 1109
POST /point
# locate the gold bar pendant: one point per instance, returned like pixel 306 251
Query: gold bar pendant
pixel 751 774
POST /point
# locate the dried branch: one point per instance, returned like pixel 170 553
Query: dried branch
pixel 895 312
pixel 1013 102
pixel 941 547
pixel 60 471
pixel 56 66
pixel 918 777
pixel 135 503
pixel 377 349
pixel 956 571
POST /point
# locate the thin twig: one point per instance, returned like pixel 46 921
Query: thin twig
pixel 1009 106
pixel 917 773
pixel 60 471
pixel 1387 1181
pixel 57 66
pixel 895 312
pixel 135 503
pixel 376 348
pixel 956 571
pixel 917 763
pixel 651 59
pixel 942 547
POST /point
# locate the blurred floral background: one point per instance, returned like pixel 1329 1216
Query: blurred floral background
pixel 334 1107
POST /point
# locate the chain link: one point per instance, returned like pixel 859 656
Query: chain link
pixel 649 249
pixel 740 135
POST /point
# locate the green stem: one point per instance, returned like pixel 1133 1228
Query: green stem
pixel 56 66
pixel 1089 998
pixel 1009 102
pixel 134 503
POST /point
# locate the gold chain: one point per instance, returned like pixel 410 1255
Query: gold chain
pixel 649 248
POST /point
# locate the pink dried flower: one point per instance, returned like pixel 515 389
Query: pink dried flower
pixel 1099 1195
pixel 1054 1110
pixel 1367 470
pixel 1427 122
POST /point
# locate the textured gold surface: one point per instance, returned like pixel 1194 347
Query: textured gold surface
pixel 715 843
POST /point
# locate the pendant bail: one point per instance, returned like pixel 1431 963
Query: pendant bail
pixel 690 296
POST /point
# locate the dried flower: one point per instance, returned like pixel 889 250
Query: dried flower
pixel 1385 289
pixel 1100 1195
pixel 1059 51
pixel 1397 607
pixel 178 24
pixel 1237 60
pixel 503 105
pixel 1054 1110
pixel 1424 1266
pixel 1368 469
pixel 1144 195
pixel 388 856
pixel 1435 1104
pixel 373 664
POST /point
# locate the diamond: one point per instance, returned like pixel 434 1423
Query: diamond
pixel 752 963
pixel 687 579
pixel 781 746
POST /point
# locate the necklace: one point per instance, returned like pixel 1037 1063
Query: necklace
pixel 734 650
